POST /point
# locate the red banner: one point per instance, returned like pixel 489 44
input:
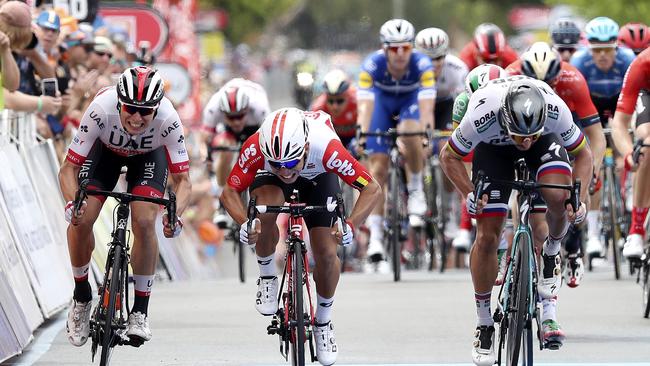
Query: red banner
pixel 141 22
pixel 183 48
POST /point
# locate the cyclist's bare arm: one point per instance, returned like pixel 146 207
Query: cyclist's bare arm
pixel 427 107
pixel 453 166
pixel 231 201
pixel 583 169
pixel 622 140
pixel 369 196
pixel 597 144
pixel 183 190
pixel 68 179
pixel 365 108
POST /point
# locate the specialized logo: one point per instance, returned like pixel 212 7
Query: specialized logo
pixel 527 105
pixel 245 155
pixel 480 103
pixel 344 167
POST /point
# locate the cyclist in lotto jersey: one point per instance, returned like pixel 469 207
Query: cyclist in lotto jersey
pixel 635 85
pixel 488 46
pixel 395 81
pixel 543 63
pixel 299 150
pixel 449 71
pixel 232 115
pixel 508 119
pixel 130 125
pixel 603 64
pixel 339 100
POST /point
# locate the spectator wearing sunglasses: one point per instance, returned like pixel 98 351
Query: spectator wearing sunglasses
pixel 101 52
pixel 231 116
pixel 339 100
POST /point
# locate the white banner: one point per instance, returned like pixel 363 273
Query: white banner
pixel 46 261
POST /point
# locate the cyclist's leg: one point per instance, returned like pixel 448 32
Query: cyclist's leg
pixel 409 121
pixel 641 191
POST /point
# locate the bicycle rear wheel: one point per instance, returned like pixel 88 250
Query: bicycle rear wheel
pixel 298 331
pixel 114 290
pixel 614 234
pixel 646 287
pixel 518 305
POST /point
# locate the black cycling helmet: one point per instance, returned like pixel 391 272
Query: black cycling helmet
pixel 565 33
pixel 523 109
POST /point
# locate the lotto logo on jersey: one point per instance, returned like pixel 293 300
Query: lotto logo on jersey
pixel 343 167
pixel 246 155
pixel 365 80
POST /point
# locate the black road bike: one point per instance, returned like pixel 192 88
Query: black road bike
pixel 109 318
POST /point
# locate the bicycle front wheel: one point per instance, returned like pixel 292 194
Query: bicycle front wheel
pixel 615 233
pixel 646 288
pixel 242 260
pixel 114 290
pixel 518 305
pixel 298 331
pixel 395 224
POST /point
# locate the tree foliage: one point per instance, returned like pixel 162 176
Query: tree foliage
pixel 621 11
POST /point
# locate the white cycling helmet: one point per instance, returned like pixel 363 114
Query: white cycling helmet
pixel 233 100
pixel 434 42
pixel 481 75
pixel 540 62
pixel 397 31
pixel 336 82
pixel 283 135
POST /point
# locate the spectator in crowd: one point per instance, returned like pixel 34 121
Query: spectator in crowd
pixel 15 32
pixel 100 55
pixel 47 31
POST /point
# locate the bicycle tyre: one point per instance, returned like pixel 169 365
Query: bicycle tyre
pixel 113 290
pixel 242 260
pixel 615 234
pixel 395 224
pixel 298 341
pixel 527 353
pixel 646 288
pixel 518 297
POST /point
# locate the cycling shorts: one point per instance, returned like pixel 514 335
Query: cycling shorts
pixel 442 113
pixel 643 108
pixel 546 156
pixel 146 173
pixel 314 192
pixel 403 106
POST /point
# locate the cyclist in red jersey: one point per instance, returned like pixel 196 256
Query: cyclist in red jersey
pixel 339 100
pixel 635 36
pixel 635 92
pixel 543 63
pixel 488 46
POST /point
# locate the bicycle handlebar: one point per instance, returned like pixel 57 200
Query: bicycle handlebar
pixel 529 186
pixel 170 204
pixel 636 151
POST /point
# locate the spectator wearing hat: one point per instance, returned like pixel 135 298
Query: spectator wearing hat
pixel 47 32
pixel 100 56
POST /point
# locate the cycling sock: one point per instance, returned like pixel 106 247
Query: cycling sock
pixel 503 242
pixel 465 218
pixel 593 229
pixel 415 182
pixel 324 309
pixel 549 308
pixel 82 290
pixel 483 308
pixel 375 224
pixel 142 287
pixel 638 220
pixel 267 266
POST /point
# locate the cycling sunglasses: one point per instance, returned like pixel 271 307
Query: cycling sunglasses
pixel 519 139
pixel 395 49
pixel 566 49
pixel 285 164
pixel 235 115
pixel 335 100
pixel 131 109
pixel 102 54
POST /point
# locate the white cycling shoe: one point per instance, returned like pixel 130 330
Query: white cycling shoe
pixel 138 326
pixel 594 247
pixel 326 347
pixel 78 325
pixel 266 300
pixel 463 240
pixel 633 246
pixel 551 275
pixel 417 203
pixel 375 251
pixel 483 347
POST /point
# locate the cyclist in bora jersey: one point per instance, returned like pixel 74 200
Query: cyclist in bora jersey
pixel 130 125
pixel 543 63
pixel 299 150
pixel 395 81
pixel 603 65
pixel 636 85
pixel 508 119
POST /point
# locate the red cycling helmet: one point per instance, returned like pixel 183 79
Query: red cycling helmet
pixel 635 36
pixel 489 41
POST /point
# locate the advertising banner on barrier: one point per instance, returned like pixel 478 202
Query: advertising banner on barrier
pixel 46 261
pixel 9 346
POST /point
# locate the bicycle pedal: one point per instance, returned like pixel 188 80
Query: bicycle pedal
pixel 553 345
pixel 135 341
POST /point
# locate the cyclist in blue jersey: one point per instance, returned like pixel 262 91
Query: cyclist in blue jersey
pixel 603 65
pixel 396 88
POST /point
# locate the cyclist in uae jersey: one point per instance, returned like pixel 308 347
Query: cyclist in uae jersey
pixel 508 119
pixel 636 85
pixel 603 65
pixel 339 100
pixel 488 46
pixel 543 63
pixel 396 85
pixel 130 125
pixel 231 116
pixel 299 150
pixel 449 70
